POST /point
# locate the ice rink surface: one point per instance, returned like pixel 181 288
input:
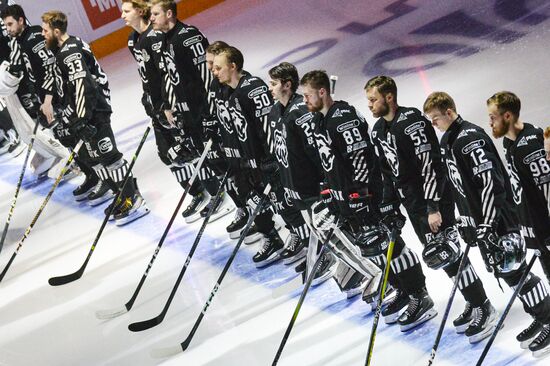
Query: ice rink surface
pixel 470 49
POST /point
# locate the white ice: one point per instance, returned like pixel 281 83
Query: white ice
pixel 483 47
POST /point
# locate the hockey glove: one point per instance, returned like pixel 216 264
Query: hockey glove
pixel 210 129
pixel 270 170
pixel 467 232
pixel 392 218
pixel 486 236
pixel 179 154
pixel 83 130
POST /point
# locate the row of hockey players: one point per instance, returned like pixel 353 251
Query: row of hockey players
pixel 298 143
pixel 56 87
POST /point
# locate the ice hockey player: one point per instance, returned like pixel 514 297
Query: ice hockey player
pixel 293 145
pixel 185 100
pixel 86 110
pixel 484 198
pixel 247 105
pixel 529 173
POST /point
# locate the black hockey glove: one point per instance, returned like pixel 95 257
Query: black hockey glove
pixel 83 130
pixel 467 232
pixel 210 129
pixel 180 154
pixel 148 105
pixel 486 236
pixel 270 169
pixel 392 218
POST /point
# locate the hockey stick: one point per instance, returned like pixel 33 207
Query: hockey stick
pixel 307 285
pixel 113 313
pixel 29 149
pixel 508 307
pixel 166 352
pixel 381 297
pixel 61 280
pixel 449 304
pixel 146 324
pixel 48 196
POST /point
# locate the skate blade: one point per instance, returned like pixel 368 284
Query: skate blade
pixel 487 332
pixel 430 314
pixel 140 212
pixel 326 276
pixel 295 257
pixel 273 258
pixel 462 328
pixel 221 213
pixel 98 201
pixel 525 344
pixel 392 318
pixel 252 238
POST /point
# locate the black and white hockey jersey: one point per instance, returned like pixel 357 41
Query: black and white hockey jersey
pixel 292 141
pixel 347 154
pixel 410 157
pixel 481 186
pixel 38 60
pixel 4 37
pixel 219 97
pixel 80 81
pixel 530 178
pixel 249 105
pixel 147 50
pixel 185 61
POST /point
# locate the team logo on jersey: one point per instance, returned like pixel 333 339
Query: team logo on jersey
pixel 414 127
pixel 39 46
pixel 240 124
pixel 171 66
pixel 337 113
pixel 304 118
pixel 281 151
pixel 514 181
pixel 522 142
pixel 454 174
pixel 105 145
pixel 401 118
pixel 259 90
pixel 390 152
pixel 224 116
pixel 327 157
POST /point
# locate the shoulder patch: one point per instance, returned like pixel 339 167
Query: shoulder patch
pixel 533 156
pixel 75 56
pixel 415 126
pixel 294 107
pixel 259 90
pixel 402 117
pixel 305 118
pixel 196 39
pixel 130 43
pixel 522 142
pixel 472 146
pixel 348 125
pixel 39 46
pixel 245 83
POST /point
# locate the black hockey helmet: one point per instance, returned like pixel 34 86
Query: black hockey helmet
pixel 373 241
pixel 442 250
pixel 512 253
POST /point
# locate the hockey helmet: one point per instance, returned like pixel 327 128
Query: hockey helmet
pixel 373 241
pixel 512 253
pixel 442 250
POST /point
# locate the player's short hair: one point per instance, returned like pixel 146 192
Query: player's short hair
pixel 506 101
pixel 317 79
pixel 284 72
pixel 216 47
pixel 547 133
pixel 142 5
pixel 384 84
pixel 233 55
pixel 15 11
pixel 56 19
pixel 440 101
pixel 166 5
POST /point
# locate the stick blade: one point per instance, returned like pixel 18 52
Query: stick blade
pixel 146 324
pixel 166 352
pixel 62 280
pixel 111 313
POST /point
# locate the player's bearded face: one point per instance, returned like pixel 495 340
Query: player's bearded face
pixel 14 27
pixel 51 40
pixel 159 18
pixel 312 98
pixel 499 124
pixel 377 103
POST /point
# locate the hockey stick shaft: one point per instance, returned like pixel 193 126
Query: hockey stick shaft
pixel 139 326
pixel 61 280
pixel 194 176
pixel 44 203
pixel 507 309
pixel 449 304
pixel 303 295
pixel 389 256
pixel 19 182
pixel 244 232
